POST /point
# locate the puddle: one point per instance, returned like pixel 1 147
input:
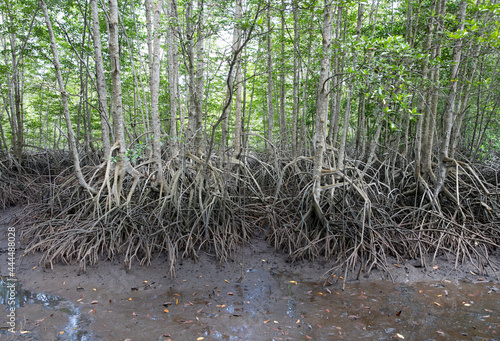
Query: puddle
pixel 74 330
pixel 272 305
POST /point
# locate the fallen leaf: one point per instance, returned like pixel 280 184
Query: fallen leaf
pixel 328 290
pixel 184 321
pixel 437 304
pixel 27 332
pixel 130 298
pixel 94 289
pixel 61 332
pixel 94 302
pixel 320 293
pixel 226 281
pixel 144 282
pixel 266 321
pixel 308 337
pixel 439 332
pixel 397 265
pixel 230 293
pixel 200 338
pixel 435 267
pixel 473 273
pixel 353 317
pixel 400 336
pixel 165 310
pixel 33 268
pixel 327 310
pixel 178 295
pixel 275 322
pixel 293 282
pixel 298 321
pixel 39 321
pixel 166 335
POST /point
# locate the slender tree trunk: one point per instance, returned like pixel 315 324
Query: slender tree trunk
pixel 303 127
pixel 117 108
pixel 270 113
pixel 347 113
pixel 100 80
pixel 295 110
pixel 464 97
pixel 190 66
pixel 322 102
pixel 238 85
pixel 283 128
pixel 173 76
pixel 449 113
pixel 64 98
pixel 200 81
pixel 149 28
pixel 431 110
pixel 155 90
pixel 17 115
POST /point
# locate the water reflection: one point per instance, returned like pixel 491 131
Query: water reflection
pixel 75 328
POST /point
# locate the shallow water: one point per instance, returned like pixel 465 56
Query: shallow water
pixel 74 329
pixel 270 305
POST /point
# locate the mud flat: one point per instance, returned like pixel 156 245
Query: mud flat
pixel 258 295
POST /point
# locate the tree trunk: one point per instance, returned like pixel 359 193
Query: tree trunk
pixel 238 85
pixel 322 103
pixel 200 81
pixel 295 110
pixel 449 113
pixel 155 91
pixel 283 129
pixel 100 80
pixel 173 76
pixel 270 113
pixel 64 98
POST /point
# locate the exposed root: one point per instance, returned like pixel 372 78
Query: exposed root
pixel 366 213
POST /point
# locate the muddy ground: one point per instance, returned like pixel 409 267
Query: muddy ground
pixel 258 295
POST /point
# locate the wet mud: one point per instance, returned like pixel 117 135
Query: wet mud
pixel 258 295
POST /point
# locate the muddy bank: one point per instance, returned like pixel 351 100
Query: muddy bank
pixel 258 295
